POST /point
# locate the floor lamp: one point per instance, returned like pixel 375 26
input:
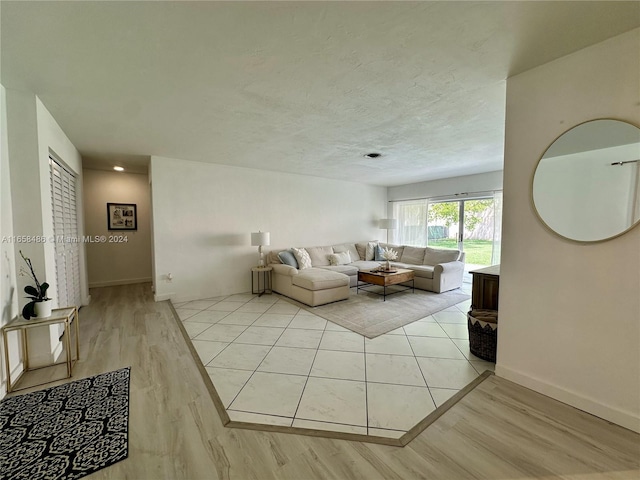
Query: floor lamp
pixel 260 239
pixel 388 224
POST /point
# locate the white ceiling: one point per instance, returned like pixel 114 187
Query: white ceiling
pixel 301 87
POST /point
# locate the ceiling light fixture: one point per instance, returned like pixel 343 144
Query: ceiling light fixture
pixel 372 155
pixel 118 169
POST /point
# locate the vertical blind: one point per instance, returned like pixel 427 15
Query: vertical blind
pixel 65 227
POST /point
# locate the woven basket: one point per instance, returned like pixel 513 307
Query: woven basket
pixel 483 333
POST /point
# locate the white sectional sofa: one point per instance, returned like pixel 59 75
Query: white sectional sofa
pixel 328 272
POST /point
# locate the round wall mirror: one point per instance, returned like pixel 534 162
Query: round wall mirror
pixel 586 186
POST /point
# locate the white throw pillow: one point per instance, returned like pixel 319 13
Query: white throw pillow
pixel 371 250
pixel 341 258
pixel 303 258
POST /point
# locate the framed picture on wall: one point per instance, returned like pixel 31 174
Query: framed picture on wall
pixel 122 216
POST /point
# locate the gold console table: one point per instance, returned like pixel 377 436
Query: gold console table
pixel 66 316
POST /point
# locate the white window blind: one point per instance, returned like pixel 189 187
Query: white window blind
pixel 65 226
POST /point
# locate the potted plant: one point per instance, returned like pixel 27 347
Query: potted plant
pixel 40 304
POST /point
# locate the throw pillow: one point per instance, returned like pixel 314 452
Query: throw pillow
pixel 377 256
pixel 370 254
pixel 287 257
pixel 340 258
pixel 303 258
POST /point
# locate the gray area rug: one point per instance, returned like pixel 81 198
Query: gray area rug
pixel 66 432
pixel 366 313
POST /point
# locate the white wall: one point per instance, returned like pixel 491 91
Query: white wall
pixel 31 135
pixel 203 215
pixel 482 182
pixel 8 292
pixel 117 263
pixel 569 312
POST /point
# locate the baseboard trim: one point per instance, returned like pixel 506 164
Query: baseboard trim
pixel 611 414
pixel 126 281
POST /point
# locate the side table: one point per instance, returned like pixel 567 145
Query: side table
pixel 265 273
pixel 66 316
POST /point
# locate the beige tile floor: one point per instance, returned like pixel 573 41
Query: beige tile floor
pixel 274 363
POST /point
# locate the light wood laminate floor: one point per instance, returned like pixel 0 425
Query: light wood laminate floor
pixel 498 431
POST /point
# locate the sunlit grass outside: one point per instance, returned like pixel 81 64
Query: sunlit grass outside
pixel 477 252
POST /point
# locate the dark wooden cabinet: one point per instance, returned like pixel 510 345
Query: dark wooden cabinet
pixel 485 286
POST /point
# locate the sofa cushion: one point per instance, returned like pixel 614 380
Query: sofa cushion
pixel 302 257
pixel 342 258
pixel 377 254
pixel 344 269
pixel 434 256
pixel 319 255
pixel 288 258
pixel 412 255
pixel 348 247
pixel 364 265
pixel 319 279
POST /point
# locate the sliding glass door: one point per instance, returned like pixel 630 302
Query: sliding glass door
pixel 467 225
pixel 472 224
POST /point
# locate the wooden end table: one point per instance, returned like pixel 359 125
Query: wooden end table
pixel 66 316
pixel 385 279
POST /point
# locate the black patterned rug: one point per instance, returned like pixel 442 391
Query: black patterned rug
pixel 68 431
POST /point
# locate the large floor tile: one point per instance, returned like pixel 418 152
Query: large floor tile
pixel 225 306
pixel 335 401
pixel 424 329
pixel 207 316
pixel 334 327
pixel 308 321
pixel 447 373
pixel 456 330
pixel 380 432
pixel 343 341
pixel 295 361
pixel 273 320
pixel 239 318
pixel 208 350
pixel 222 333
pixel 283 307
pixel 199 304
pixel 194 329
pixel 398 369
pixel 481 366
pixel 337 364
pixel 453 315
pixel 441 395
pixel 397 407
pixel 228 382
pixel 331 427
pixel 271 394
pixel 260 335
pixel 184 313
pixel 435 347
pixel 240 356
pixel 390 344
pixel 254 307
pixel 247 417
pixel 300 338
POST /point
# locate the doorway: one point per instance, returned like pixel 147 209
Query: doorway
pixel 468 225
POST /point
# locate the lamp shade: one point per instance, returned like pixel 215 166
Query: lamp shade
pixel 389 223
pixel 259 238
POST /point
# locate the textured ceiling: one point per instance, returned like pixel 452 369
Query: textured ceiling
pixel 301 87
